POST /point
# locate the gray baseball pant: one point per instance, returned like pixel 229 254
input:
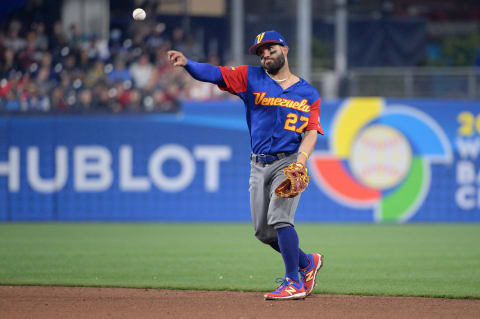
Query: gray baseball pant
pixel 269 213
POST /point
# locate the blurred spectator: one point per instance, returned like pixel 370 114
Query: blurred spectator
pixel 193 49
pixel 45 69
pixel 13 40
pixel 40 36
pixel 156 38
pixel 187 44
pixel 57 38
pixel 12 103
pixel 7 62
pixel 119 97
pixel 8 83
pixel 120 72
pixel 170 101
pixel 84 102
pixel 142 71
pixel 158 99
pixel 135 101
pixel 57 98
pixel 28 56
pixel 98 49
pixel 178 37
pixel 102 99
pixel 76 38
pixel 123 93
pixel 95 74
pixel 35 100
pixel 164 71
pixel 70 64
pixel 83 60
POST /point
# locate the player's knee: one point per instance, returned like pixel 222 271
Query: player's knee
pixel 265 237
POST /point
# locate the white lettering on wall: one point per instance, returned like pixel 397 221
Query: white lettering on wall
pixel 465 172
pixel 92 168
pixel 61 171
pixel 93 171
pixel 11 168
pixel 468 147
pixel 187 171
pixel 128 182
pixel 212 155
pixel 465 197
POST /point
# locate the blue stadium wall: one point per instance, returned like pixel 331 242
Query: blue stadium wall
pixel 195 166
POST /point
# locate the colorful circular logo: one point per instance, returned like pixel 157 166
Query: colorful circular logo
pixel 380 158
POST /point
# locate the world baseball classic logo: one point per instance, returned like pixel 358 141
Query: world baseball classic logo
pixel 380 158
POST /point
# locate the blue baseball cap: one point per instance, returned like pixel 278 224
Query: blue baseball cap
pixel 271 36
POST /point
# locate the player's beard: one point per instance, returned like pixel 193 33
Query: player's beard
pixel 275 65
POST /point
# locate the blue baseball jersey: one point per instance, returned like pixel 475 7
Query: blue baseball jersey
pixel 276 117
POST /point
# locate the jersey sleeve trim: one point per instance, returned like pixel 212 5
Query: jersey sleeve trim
pixel 235 78
pixel 314 119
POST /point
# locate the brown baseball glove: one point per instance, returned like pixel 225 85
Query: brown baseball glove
pixel 295 182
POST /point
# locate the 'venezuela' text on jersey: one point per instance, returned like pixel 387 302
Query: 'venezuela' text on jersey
pixel 276 117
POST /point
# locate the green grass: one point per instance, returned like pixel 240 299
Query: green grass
pixel 405 260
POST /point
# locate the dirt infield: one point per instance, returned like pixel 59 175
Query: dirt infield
pixel 69 302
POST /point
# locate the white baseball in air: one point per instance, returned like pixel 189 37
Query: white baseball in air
pixel 139 14
pixel 380 157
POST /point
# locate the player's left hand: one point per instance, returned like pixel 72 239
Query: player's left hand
pixel 295 182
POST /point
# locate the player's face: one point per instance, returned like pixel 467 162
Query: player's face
pixel 271 58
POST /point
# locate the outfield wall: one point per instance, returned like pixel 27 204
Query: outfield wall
pixel 381 160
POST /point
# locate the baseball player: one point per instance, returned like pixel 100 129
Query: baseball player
pixel 283 117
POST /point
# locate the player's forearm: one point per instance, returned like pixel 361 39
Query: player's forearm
pixel 204 72
pixel 307 146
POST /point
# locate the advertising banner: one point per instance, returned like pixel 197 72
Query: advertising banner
pixel 380 160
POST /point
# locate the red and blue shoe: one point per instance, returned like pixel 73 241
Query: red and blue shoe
pixel 289 289
pixel 309 273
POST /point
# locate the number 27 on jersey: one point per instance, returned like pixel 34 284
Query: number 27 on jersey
pixel 292 120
